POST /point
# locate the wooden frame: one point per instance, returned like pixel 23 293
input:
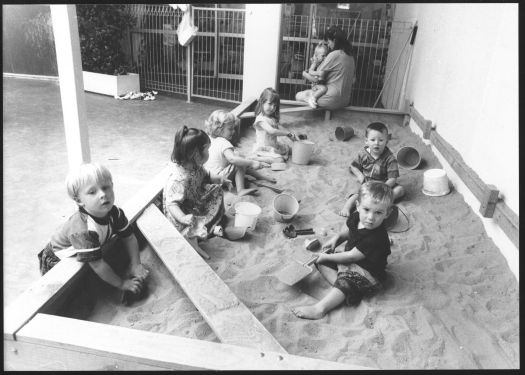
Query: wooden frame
pixel 488 195
pixel 34 340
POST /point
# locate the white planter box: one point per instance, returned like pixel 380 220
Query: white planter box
pixel 111 85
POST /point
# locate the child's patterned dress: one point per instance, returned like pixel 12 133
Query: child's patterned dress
pixel 191 189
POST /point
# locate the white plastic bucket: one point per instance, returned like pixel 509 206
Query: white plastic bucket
pixel 246 214
pixel 285 207
pixel 435 183
pixel 302 151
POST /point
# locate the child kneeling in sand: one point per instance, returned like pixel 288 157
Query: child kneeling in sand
pixel 361 265
pixel 223 161
pixel 375 162
pixel 89 229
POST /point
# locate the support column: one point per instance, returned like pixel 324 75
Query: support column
pixel 261 48
pixel 69 62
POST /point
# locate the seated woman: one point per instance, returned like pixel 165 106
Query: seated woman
pixel 337 71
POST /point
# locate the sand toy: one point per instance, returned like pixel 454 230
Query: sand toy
pixel 253 181
pixel 297 271
pixel 290 231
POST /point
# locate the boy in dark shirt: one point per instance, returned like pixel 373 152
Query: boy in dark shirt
pixel 361 265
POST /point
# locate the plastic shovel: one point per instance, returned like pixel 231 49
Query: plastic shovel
pixel 253 181
pixel 297 271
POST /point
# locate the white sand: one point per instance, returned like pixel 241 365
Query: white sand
pixel 450 302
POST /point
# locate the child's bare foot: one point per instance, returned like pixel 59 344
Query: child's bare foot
pixel 308 312
pixel 242 192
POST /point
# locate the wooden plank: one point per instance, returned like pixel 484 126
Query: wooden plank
pixel 51 342
pixel 454 158
pixel 283 110
pixel 507 220
pixel 134 206
pixel 43 292
pixel 244 106
pixel 231 320
pixel 50 287
pixel 488 203
pixel 424 124
pixel 374 110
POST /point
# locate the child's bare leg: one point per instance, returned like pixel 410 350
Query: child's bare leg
pixel 333 299
pixel 398 192
pixel 239 182
pixel 267 159
pixel 349 204
pixel 259 176
pixel 320 91
pixel 328 273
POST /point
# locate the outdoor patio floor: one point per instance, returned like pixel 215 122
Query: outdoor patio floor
pixel 453 302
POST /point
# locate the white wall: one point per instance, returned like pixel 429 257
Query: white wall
pixel 261 52
pixel 464 78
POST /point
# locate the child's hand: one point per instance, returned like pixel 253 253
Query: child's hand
pixel 226 183
pixel 330 245
pixel 187 219
pixel 259 164
pixel 140 272
pixel 292 136
pixel 134 285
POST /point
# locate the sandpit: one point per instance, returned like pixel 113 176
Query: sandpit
pixel 450 301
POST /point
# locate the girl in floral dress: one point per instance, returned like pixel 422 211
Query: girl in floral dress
pixel 192 197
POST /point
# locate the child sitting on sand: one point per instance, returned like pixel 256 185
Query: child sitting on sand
pixel 223 160
pixel 90 229
pixel 192 197
pixel 318 89
pixel 361 265
pixel 374 162
pixel 267 127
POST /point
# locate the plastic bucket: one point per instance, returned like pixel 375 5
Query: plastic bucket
pixel 246 214
pixel 285 207
pixel 408 157
pixel 302 151
pixel 344 133
pixel 435 182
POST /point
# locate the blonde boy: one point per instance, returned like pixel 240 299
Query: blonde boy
pixel 375 162
pixel 361 265
pixel 89 229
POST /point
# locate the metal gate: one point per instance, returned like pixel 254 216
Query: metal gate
pixel 210 67
pixel 381 50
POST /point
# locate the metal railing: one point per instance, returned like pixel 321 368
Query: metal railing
pixel 215 56
pixel 218 53
pixel 212 65
pixel 377 44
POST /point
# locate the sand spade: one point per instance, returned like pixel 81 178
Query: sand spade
pixel 253 181
pixel 290 231
pixel 297 271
